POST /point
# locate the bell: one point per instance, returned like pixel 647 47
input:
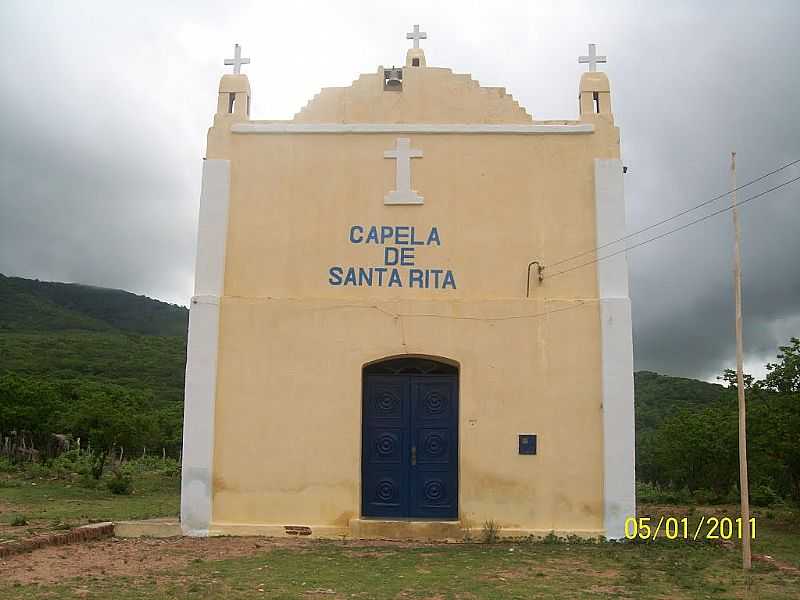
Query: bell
pixel 393 79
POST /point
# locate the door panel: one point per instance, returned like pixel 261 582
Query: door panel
pixel 434 427
pixel 385 449
pixel 410 446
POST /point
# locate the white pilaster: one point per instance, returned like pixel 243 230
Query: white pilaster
pixel 619 479
pixel 202 348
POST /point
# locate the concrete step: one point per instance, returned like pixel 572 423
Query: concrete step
pixel 156 528
pixel 406 529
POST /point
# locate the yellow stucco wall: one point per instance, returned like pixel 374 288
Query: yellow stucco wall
pixel 292 346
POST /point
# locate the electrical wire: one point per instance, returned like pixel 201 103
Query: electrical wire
pixel 671 231
pixel 675 216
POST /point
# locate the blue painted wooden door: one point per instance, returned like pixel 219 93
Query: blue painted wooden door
pixel 410 446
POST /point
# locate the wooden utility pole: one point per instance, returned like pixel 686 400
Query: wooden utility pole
pixel 743 483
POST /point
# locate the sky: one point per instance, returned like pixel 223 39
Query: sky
pixel 104 109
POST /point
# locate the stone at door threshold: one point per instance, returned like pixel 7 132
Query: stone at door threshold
pixel 405 529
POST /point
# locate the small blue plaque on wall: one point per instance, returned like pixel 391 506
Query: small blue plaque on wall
pixel 527 443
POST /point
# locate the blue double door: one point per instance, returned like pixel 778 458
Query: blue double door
pixel 410 446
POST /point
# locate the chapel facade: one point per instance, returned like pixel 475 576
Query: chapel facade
pixel 398 328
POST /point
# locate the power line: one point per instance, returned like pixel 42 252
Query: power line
pixel 671 231
pixel 675 216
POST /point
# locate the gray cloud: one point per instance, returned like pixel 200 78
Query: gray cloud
pixel 104 109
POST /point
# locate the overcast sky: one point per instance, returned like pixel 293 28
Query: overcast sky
pixel 104 108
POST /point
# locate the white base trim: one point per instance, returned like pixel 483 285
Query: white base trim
pixel 198 416
pixel 619 443
pixel 402 530
pixel 473 128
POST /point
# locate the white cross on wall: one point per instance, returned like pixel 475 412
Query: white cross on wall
pixel 416 35
pixel 403 152
pixel 237 61
pixel 592 59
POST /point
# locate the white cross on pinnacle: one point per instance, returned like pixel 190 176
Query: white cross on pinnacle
pixel 237 61
pixel 592 59
pixel 416 35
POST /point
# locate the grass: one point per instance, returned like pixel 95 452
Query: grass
pixel 333 569
pixel 50 504
pixel 779 535
pixel 555 571
pixel 777 529
pixel 469 571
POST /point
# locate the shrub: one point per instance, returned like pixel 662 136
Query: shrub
pixel 733 496
pixel 552 538
pixel 88 481
pixel 763 495
pixel 704 496
pixel 168 467
pixel 491 529
pixel 648 493
pixel 466 526
pixel 19 521
pixel 71 464
pixel 120 484
pixel 35 470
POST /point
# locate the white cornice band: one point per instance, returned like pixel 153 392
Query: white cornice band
pixel 472 128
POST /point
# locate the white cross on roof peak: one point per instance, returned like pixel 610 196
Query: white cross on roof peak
pixel 416 35
pixel 592 59
pixel 237 61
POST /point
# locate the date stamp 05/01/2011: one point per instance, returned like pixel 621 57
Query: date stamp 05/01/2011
pixel 679 528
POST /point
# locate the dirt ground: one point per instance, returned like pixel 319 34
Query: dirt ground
pixel 143 556
pixel 154 568
pixel 132 556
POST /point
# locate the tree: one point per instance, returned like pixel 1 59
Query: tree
pixel 773 441
pixel 108 420
pixel 729 376
pixel 30 407
pixel 784 375
pixel 694 448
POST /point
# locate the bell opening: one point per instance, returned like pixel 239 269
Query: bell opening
pixel 393 79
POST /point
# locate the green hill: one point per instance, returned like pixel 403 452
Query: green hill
pixel 79 333
pixel 20 310
pixel 33 305
pixel 659 396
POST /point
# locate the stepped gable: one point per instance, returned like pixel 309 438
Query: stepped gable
pixel 458 99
